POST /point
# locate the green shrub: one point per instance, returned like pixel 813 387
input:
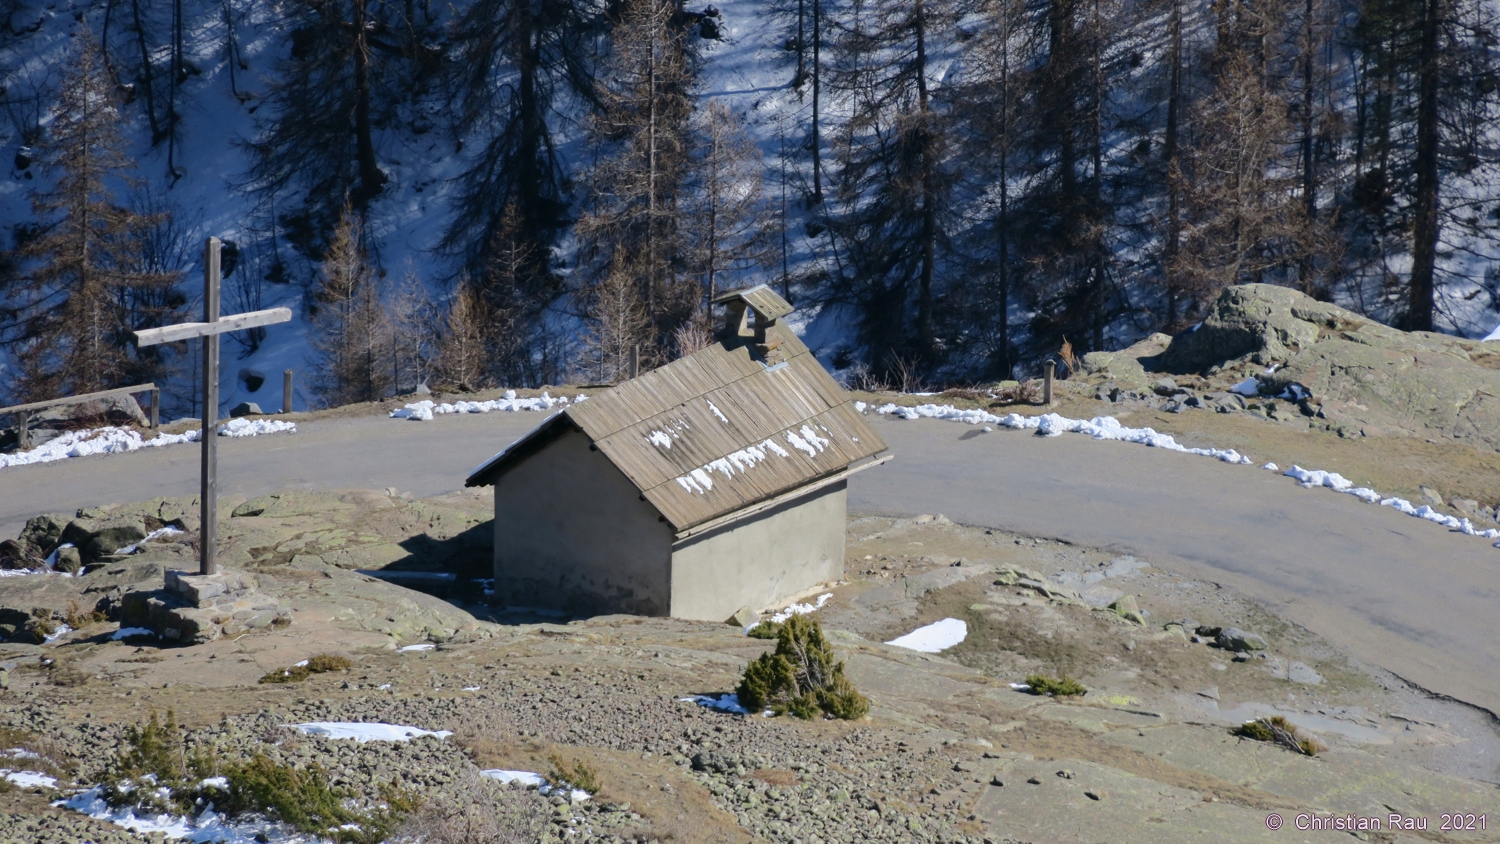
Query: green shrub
pixel 295 674
pixel 303 799
pixel 801 677
pixel 1278 730
pixel 764 630
pixel 1041 684
pixel 324 663
pixel 157 752
pixel 320 664
pixel 577 775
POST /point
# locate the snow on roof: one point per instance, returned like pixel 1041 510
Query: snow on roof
pixel 717 431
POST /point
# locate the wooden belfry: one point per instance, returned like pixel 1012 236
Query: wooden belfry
pixel 209 330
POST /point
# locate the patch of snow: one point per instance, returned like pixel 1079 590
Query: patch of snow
pixel 717 412
pixel 1310 478
pixel 935 637
pixel 207 827
pixel 860 406
pixel 1021 687
pixel 526 778
pixel 1271 467
pixel 221 783
pixel 1248 387
pixel 383 686
pixel 801 609
pixel 1493 335
pixel 20 753
pixel 62 630
pixel 127 632
pixel 424 646
pixel 472 688
pixel 424 410
pixel 160 533
pixel 29 779
pixel 363 732
pixel 531 780
pixel 660 439
pixel 299 664
pixel 724 703
pixel 246 428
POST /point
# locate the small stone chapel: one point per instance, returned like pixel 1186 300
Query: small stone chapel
pixel 714 483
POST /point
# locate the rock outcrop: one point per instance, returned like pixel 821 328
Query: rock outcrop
pixel 1358 375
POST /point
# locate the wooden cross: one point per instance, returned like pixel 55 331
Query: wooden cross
pixel 210 329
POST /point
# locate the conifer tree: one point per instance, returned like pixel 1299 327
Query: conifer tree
pixel 892 183
pixel 349 333
pixel 632 227
pixel 83 283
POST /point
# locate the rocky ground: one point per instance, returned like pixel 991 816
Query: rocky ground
pixel 950 751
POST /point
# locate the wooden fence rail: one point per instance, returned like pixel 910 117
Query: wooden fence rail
pixel 24 411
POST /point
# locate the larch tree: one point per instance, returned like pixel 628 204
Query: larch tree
pixel 724 204
pixel 892 184
pixel 84 280
pixel 354 69
pixel 985 108
pixel 1426 94
pixel 632 222
pixel 349 326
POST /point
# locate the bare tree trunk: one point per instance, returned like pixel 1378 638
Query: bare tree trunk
pixel 146 80
pixel 1425 224
pixel 1174 169
pixel 817 86
pixel 371 179
pixel 925 332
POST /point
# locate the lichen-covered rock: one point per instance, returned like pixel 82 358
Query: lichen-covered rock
pixel 1235 639
pixel 1346 371
pixel 1127 367
pixel 1259 322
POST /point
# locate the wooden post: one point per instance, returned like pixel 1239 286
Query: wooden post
pixel 635 360
pixel 208 528
pixel 1051 367
pixel 209 330
pixel 23 436
pixel 155 408
pixel 286 391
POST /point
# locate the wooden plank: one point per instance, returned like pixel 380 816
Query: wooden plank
pixel 190 330
pixel 102 394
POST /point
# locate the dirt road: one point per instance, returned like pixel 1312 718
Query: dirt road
pixel 1398 592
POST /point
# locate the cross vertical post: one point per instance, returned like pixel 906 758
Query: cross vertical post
pixel 209 329
pixel 208 494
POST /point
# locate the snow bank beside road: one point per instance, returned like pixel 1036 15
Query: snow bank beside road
pixel 423 411
pixel 116 440
pixel 1109 428
pixel 1051 425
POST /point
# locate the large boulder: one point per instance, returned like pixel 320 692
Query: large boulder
pixel 113 410
pixel 1128 367
pixel 1362 376
pixel 1262 323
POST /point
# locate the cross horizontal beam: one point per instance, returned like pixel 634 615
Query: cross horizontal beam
pixel 189 330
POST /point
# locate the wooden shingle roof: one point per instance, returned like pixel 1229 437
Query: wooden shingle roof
pixel 717 431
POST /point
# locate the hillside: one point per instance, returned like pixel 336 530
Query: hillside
pixel 1035 201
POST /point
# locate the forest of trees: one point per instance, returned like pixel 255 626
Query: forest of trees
pixel 971 183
